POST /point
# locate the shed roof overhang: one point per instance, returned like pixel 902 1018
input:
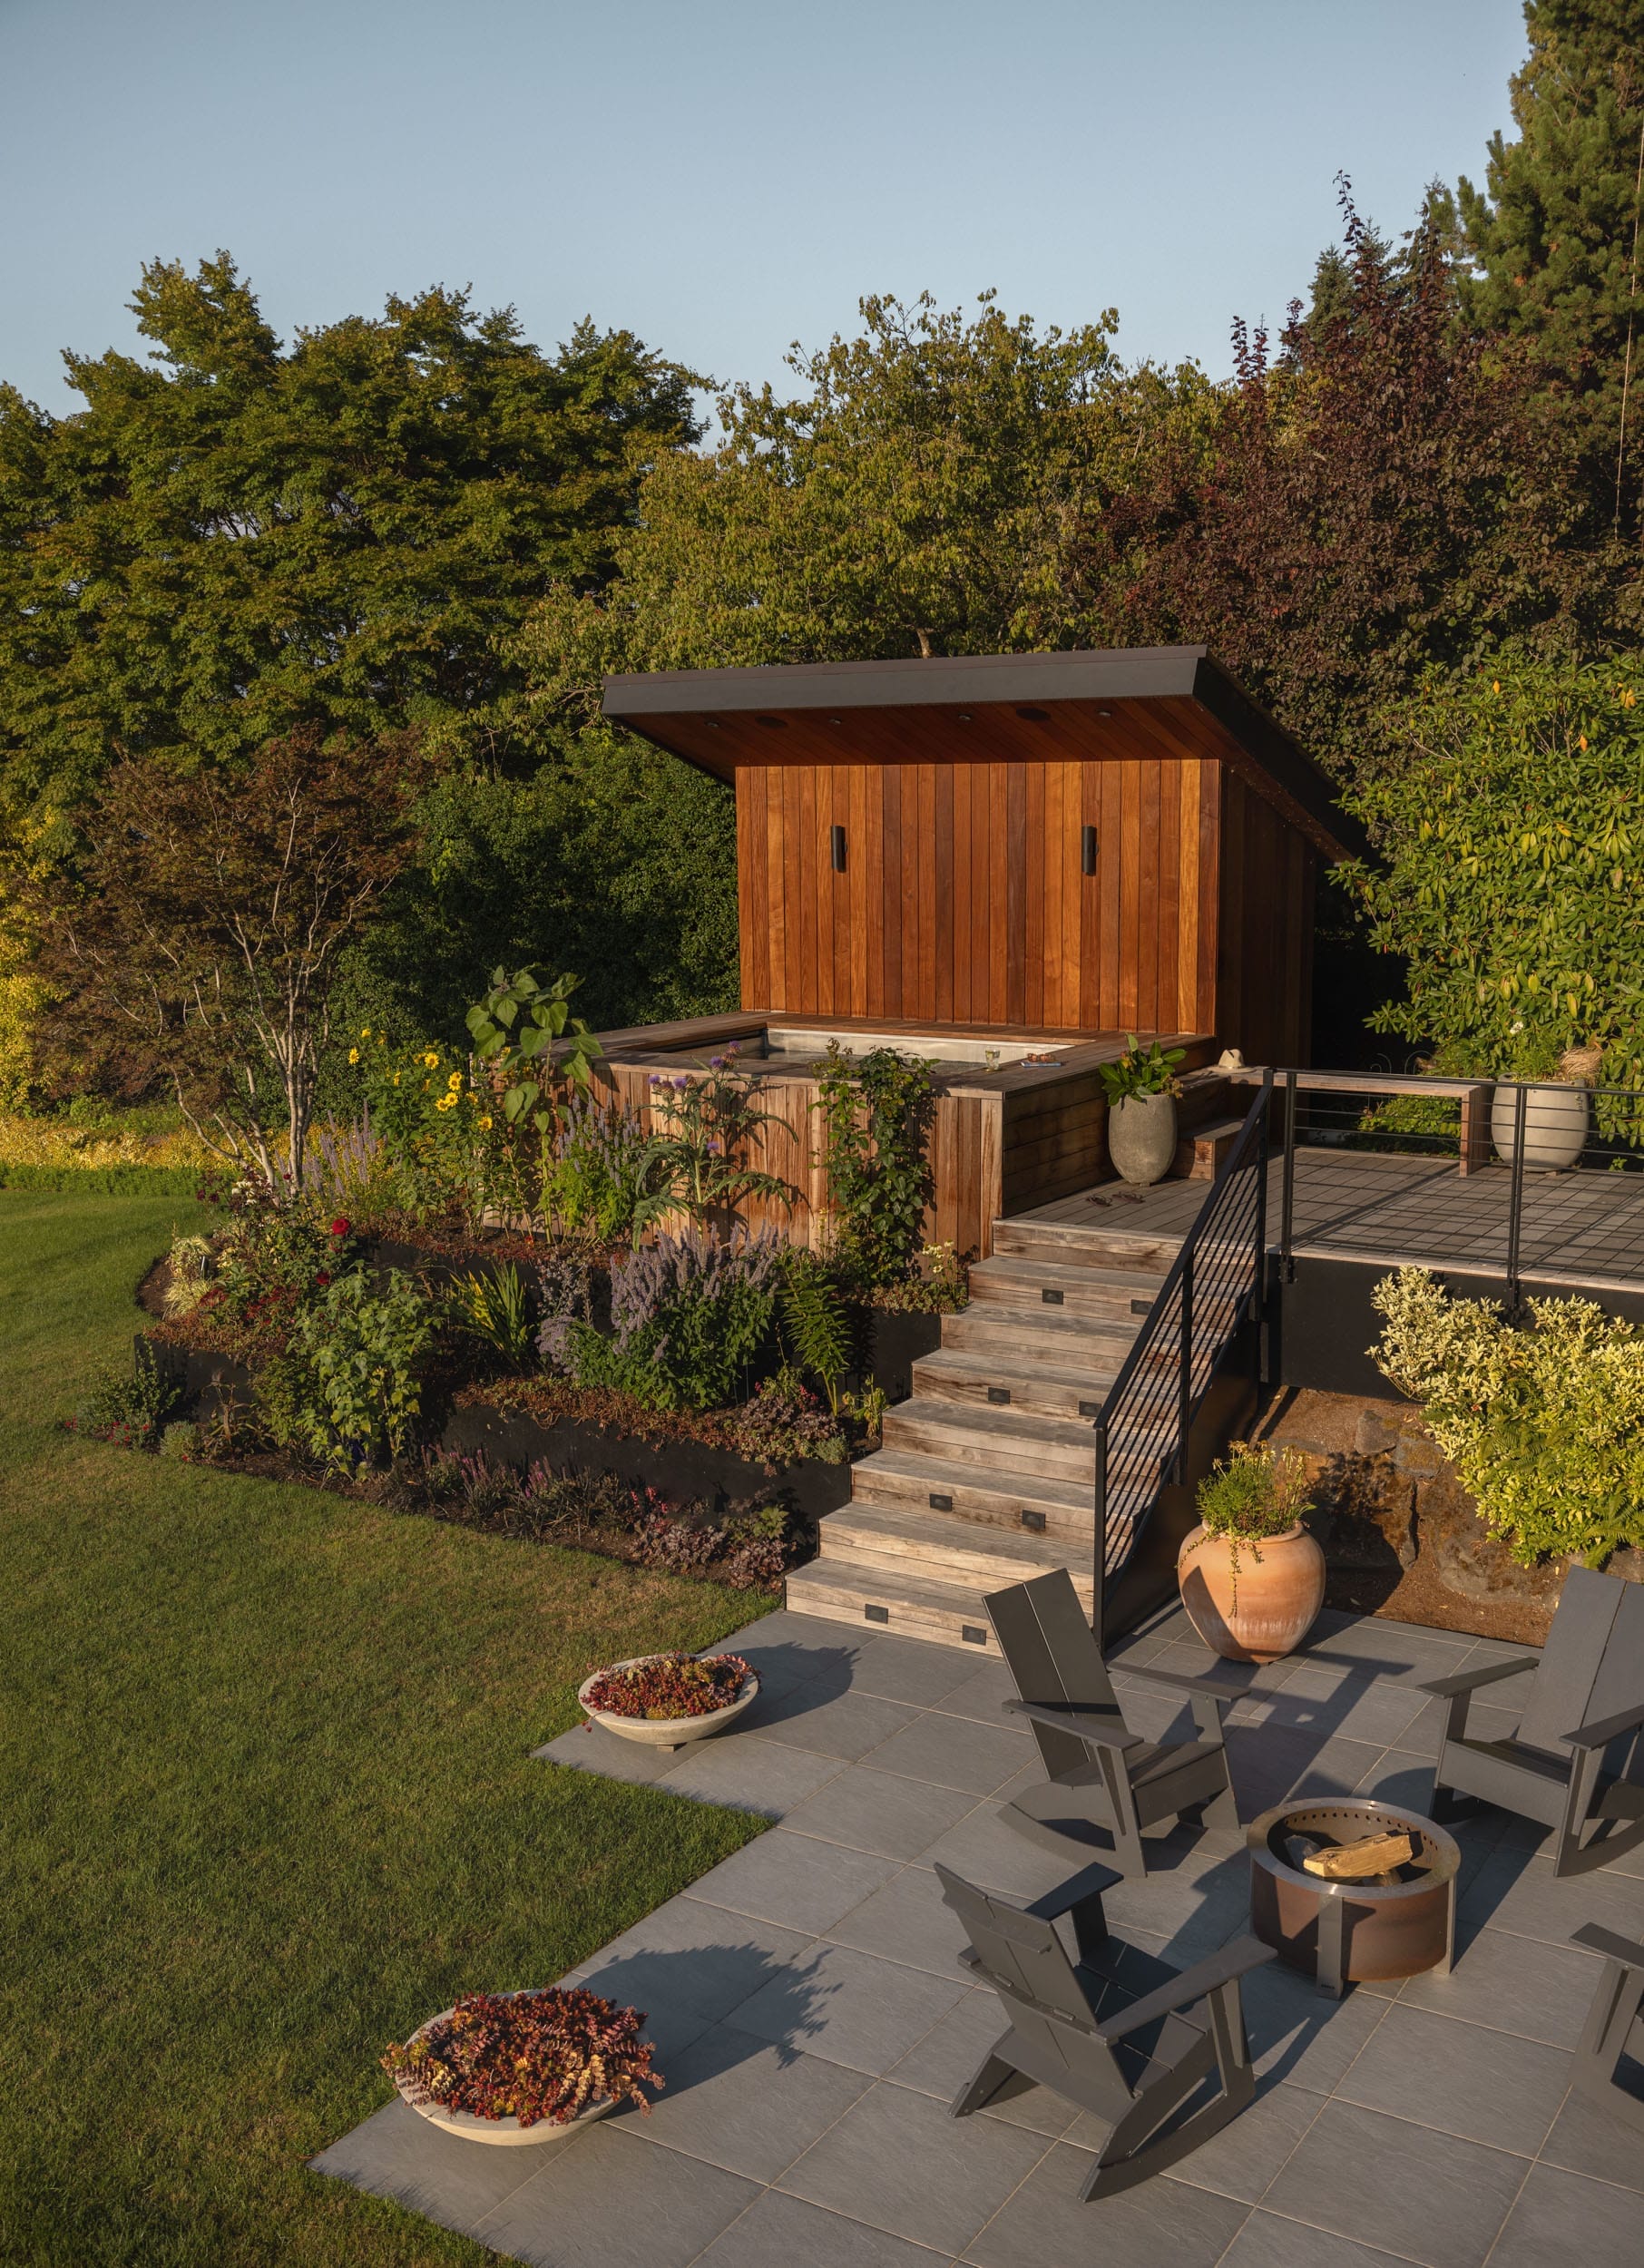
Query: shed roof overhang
pixel 1166 702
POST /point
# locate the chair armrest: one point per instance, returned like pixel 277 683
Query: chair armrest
pixel 1607 1728
pixel 1606 1941
pixel 1467 1680
pixel 1089 1882
pixel 1201 1688
pixel 1193 1984
pixel 1102 1727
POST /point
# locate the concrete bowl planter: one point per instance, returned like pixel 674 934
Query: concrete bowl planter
pixel 1557 1118
pixel 1141 1138
pixel 501 2133
pixel 665 1731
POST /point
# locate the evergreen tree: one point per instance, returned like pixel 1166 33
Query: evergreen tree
pixel 1555 232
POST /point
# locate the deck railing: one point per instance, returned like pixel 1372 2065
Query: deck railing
pixel 1217 1284
pixel 1498 1130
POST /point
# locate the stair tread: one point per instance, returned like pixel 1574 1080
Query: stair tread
pixel 987 1364
pixel 959 1540
pixel 948 1476
pixel 1030 1268
pixel 1002 1424
pixel 886 1587
pixel 1045 1322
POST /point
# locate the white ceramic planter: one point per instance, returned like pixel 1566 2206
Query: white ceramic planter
pixel 1556 1122
pixel 1141 1138
pixel 666 1732
pixel 503 2133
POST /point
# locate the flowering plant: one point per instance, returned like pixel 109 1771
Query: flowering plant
pixel 706 1121
pixel 688 1315
pixel 666 1685
pixel 540 2057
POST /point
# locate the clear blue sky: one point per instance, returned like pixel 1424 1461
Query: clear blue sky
pixel 721 176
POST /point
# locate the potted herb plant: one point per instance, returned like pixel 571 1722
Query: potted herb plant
pixel 523 2066
pixel 1252 1578
pixel 1141 1089
pixel 670 1699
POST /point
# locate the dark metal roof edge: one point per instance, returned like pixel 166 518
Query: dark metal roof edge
pixel 1136 672
pixel 1283 762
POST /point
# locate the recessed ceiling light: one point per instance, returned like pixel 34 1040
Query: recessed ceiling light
pixel 836 720
pixel 1104 713
pixel 965 716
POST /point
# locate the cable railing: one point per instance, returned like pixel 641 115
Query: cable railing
pixel 1507 1180
pixel 1217 1283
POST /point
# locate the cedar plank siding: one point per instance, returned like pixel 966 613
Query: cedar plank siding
pixel 985 915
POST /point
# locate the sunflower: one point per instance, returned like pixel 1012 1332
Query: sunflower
pixel 353 1055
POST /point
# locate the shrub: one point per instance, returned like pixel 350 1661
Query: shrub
pixel 564 1281
pixel 605 1177
pixel 784 1420
pixel 191 1265
pixel 1545 1427
pixel 706 1121
pixel 666 1685
pixel 181 1440
pixel 938 1284
pixel 538 2056
pixel 688 1316
pixel 128 1407
pixel 365 1348
pixel 877 1115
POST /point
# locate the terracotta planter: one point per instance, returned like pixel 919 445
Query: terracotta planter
pixel 1555 1120
pixel 1279 1595
pixel 1141 1138
pixel 507 2133
pixel 666 1732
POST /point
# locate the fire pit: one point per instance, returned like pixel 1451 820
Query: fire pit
pixel 1396 1919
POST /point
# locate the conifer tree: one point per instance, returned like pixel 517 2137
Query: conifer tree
pixel 1555 233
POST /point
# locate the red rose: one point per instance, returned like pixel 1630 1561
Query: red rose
pixel 322 1278
pixel 339 1228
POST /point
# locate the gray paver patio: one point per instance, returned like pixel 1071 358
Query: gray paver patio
pixel 813 2025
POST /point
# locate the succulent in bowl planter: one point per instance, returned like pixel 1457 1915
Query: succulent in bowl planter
pixel 669 1699
pixel 520 2067
pixel 1252 1578
pixel 1141 1088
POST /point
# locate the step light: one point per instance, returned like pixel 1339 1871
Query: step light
pixel 998 1393
pixel 876 1614
pixel 1032 1521
pixel 941 1503
pixel 1089 1409
pixel 972 1634
pixel 1053 1299
pixel 1141 1306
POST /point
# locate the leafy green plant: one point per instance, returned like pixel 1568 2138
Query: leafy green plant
pixel 663 1685
pixel 1545 1427
pixel 1150 1071
pixel 706 1120
pixel 129 1408
pixel 494 1309
pixel 784 1423
pixel 1252 1494
pixel 604 1176
pixel 877 1114
pixel 527 1028
pixel 365 1349
pixel 689 1317
pixel 191 1265
pixel 180 1440
pixel 1511 876
pixel 815 1322
pixel 938 1284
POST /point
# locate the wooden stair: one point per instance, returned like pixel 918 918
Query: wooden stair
pixel 987 1471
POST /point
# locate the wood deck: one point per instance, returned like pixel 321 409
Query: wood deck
pixel 1580 1228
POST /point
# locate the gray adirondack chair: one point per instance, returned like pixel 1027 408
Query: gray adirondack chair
pixel 1575 1760
pixel 1136 2060
pixel 1100 1777
pixel 1615 2025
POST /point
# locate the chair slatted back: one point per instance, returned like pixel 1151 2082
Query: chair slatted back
pixel 1024 1960
pixel 1053 1654
pixel 1592 1666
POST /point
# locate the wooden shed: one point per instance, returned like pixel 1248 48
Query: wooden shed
pixel 1004 864
pixel 1092 842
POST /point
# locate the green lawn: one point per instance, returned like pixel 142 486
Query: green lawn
pixel 267 1800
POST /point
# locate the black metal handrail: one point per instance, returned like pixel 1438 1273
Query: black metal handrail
pixel 1216 1284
